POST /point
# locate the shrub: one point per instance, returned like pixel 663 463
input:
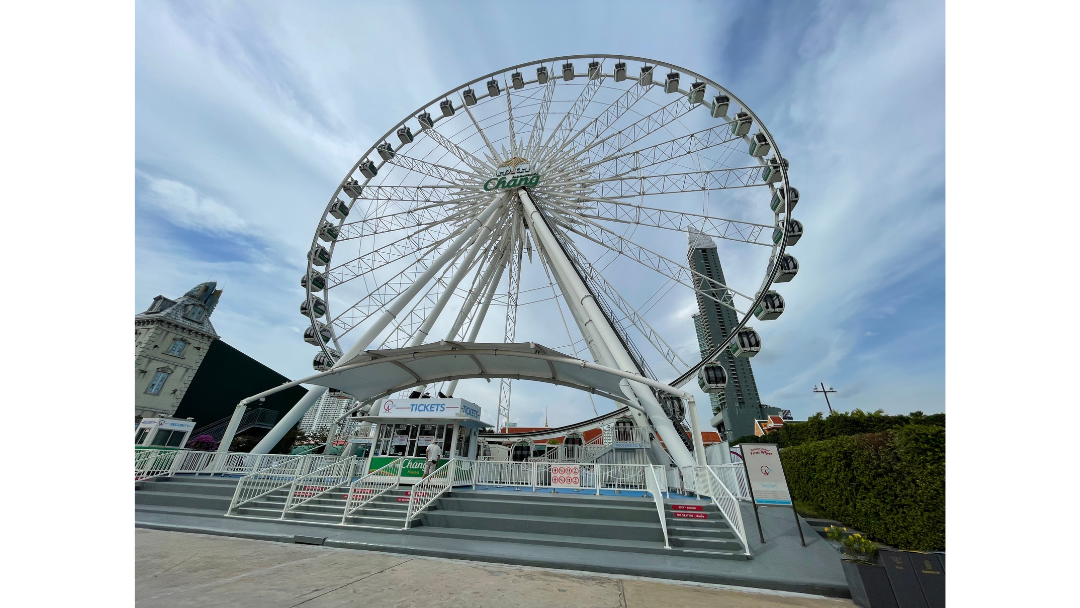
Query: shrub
pixel 202 442
pixel 840 424
pixel 890 484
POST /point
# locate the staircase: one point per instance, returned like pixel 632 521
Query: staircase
pixel 696 528
pixel 258 418
pixel 386 512
pixel 580 521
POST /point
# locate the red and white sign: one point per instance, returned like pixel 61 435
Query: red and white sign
pixel 691 515
pixel 565 476
pixel 687 508
pixel 359 492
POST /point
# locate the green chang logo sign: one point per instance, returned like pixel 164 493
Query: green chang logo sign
pixel 512 174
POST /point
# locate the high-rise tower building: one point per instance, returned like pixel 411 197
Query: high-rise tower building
pixel 739 405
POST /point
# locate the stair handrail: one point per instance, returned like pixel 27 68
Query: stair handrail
pixel 705 480
pixel 329 476
pixel 379 482
pixel 653 485
pixel 429 488
pixel 260 482
pixel 739 486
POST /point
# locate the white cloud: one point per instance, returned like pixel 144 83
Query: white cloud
pixel 185 207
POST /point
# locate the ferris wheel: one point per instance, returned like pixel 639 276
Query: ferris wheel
pixel 563 183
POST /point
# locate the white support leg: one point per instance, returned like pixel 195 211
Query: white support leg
pixel 577 295
pixel 389 314
pixel 230 431
pixel 463 269
pixel 493 284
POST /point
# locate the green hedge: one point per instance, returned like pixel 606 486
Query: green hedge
pixel 889 485
pixel 840 424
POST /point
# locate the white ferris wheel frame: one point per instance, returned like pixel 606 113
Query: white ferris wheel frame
pixel 553 253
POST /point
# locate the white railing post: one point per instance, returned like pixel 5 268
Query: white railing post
pixel 178 457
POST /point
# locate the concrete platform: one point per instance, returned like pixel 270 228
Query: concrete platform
pixel 179 570
pixel 780 564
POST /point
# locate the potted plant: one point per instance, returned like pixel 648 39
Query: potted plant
pixel 867 581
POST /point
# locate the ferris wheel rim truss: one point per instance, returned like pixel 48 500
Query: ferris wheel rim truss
pixel 465 203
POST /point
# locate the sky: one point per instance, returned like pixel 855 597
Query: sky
pixel 247 115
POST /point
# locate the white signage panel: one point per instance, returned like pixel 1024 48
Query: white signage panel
pixel 766 474
pixel 169 424
pixel 429 408
pixel 565 476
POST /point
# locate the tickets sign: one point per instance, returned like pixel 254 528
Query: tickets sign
pixel 565 476
pixel 766 474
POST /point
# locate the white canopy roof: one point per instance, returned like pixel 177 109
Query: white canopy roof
pixel 375 374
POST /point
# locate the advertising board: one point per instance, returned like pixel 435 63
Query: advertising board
pixel 766 474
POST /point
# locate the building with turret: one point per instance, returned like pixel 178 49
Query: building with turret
pixel 738 406
pixel 171 339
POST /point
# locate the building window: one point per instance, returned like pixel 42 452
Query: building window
pixel 195 313
pixel 157 383
pixel 141 435
pixel 177 348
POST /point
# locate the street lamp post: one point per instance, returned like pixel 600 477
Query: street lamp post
pixel 825 392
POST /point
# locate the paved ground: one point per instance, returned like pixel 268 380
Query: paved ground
pixel 178 569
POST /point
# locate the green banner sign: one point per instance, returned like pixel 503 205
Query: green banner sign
pixel 410 467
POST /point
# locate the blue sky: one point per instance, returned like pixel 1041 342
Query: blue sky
pixel 247 116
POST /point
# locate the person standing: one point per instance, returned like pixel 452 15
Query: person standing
pixel 434 452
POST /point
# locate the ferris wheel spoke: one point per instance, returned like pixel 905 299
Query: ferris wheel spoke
pixel 510 121
pixel 716 227
pixel 536 133
pixel 418 218
pixel 439 193
pixel 650 259
pixel 495 157
pixel 449 175
pixel 627 137
pixel 392 252
pixel 376 299
pixel 570 119
pixel 629 312
pixel 696 181
pixel 657 154
pixel 599 125
pixel 478 166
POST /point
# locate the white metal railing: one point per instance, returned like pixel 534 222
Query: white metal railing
pixel 592 476
pixel 706 483
pixel 430 488
pixel 319 481
pixel 259 483
pixel 656 488
pixel 733 476
pixel 502 473
pixel 371 486
pixel 628 434
pixel 154 463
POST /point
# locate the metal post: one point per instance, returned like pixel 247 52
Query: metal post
pixel 571 283
pixel 797 524
pixel 826 393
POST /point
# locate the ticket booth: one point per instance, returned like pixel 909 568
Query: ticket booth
pixel 405 427
pixel 163 432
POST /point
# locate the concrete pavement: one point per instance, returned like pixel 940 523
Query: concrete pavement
pixel 177 569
